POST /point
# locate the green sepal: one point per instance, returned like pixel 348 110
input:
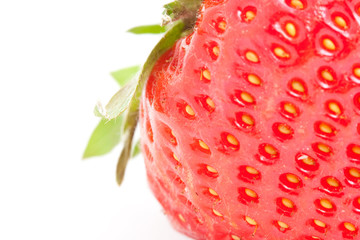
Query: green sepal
pixel 124 75
pixel 128 81
pixel 104 138
pixel 120 101
pixel 185 10
pixel 167 41
pixel 136 150
pixel 148 29
pixel 107 134
pixel 180 19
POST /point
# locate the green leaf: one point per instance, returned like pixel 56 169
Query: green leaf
pixel 104 138
pixel 148 29
pixel 124 75
pixel 136 150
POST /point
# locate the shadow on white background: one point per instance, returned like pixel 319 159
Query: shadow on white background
pixel 55 60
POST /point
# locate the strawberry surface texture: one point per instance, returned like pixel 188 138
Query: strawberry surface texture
pixel 250 125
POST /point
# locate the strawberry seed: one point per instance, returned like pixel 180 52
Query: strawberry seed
pixel 250 221
pixel 234 237
pixel 281 53
pixel 319 223
pixel 217 213
pixel 297 4
pixel 252 78
pixel 205 74
pixel 329 44
pixel 252 57
pixel 181 217
pixel 340 22
pixel 290 29
pixel 326 203
pixel 350 226
pixel 292 178
pixel 213 192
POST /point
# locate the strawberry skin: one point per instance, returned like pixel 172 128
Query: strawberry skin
pixel 251 126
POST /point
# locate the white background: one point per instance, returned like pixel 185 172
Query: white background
pixel 55 59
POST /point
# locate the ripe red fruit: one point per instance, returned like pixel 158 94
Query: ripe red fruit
pixel 251 124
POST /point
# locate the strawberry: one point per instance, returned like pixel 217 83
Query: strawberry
pixel 250 125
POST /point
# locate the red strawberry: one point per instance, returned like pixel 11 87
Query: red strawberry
pixel 251 124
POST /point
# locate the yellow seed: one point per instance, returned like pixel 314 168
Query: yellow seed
pixel 325 74
pixel 217 213
pixel 298 86
pixel 333 182
pixel 340 22
pixel 247 119
pixel 324 148
pixel 358 200
pixel 290 108
pixel 222 25
pixel 326 203
pixel 281 53
pixel 252 170
pixel 252 56
pixel 249 16
pixel 329 44
pixel 292 178
pixel 210 102
pixel 206 75
pixel 270 150
pixel 350 226
pixel 308 160
pixel 334 107
pixel 354 172
pixel 250 193
pixel 216 51
pixel 172 133
pixel 290 29
pixel 283 225
pixel 356 149
pixel 234 237
pixel 319 223
pixel 285 129
pixel 252 78
pixel 325 128
pixel 211 169
pixel 246 97
pixel 203 145
pixel 175 157
pixel 297 4
pixel 213 192
pixel 250 221
pixel 357 72
pixel 189 110
pixel 287 203
pixel 232 140
pixel 181 218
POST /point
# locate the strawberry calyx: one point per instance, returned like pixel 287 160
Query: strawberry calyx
pixel 180 18
pixel 185 10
